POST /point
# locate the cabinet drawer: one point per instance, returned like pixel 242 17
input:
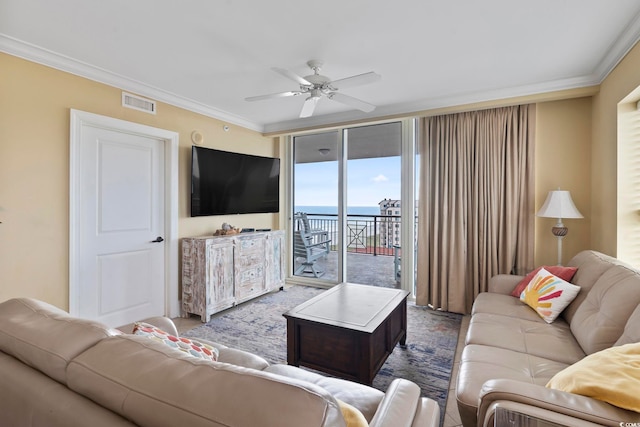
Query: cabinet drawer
pixel 250 246
pixel 249 275
pixel 248 290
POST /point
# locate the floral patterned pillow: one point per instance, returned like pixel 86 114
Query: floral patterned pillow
pixel 191 347
pixel 548 295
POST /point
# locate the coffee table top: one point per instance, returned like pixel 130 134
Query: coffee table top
pixel 348 305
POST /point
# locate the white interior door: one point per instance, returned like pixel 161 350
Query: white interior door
pixel 120 226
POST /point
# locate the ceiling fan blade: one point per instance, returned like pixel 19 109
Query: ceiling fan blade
pixel 309 106
pixel 351 102
pixel 360 79
pixel 272 95
pixel 291 75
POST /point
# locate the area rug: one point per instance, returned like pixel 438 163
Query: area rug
pixel 427 359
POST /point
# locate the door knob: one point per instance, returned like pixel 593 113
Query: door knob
pixel 158 240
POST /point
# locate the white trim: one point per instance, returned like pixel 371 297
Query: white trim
pixel 411 109
pixel 80 119
pixel 408 198
pixel 618 49
pixel 614 54
pixel 55 60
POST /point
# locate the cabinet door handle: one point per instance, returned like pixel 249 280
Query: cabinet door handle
pixel 158 240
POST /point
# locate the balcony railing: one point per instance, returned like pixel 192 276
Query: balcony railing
pixel 366 234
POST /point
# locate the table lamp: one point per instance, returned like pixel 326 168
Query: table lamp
pixel 559 205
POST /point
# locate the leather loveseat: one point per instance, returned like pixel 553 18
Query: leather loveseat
pixel 511 353
pixel 61 371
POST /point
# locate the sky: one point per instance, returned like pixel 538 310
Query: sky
pixel 368 181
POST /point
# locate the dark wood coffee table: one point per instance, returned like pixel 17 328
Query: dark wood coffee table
pixel 347 331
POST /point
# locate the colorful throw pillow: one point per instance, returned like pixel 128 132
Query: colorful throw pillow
pixel 352 416
pixel 565 273
pixel 191 347
pixel 611 375
pixel 548 295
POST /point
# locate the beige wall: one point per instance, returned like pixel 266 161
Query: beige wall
pixel 623 80
pixel 34 170
pixel 575 149
pixel 563 159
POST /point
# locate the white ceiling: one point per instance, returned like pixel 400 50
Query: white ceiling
pixel 208 55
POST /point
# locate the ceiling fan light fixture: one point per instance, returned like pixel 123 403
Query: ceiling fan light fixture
pixel 318 86
pixel 315 93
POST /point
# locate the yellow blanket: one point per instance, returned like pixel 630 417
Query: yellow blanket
pixel 611 375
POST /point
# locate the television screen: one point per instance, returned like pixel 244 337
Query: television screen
pixel 232 183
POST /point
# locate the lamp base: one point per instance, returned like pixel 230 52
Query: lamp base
pixel 559 231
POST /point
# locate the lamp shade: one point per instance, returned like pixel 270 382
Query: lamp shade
pixel 559 205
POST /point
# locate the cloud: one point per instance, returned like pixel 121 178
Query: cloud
pixel 380 178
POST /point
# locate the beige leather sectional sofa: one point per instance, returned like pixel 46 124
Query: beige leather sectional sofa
pixel 60 371
pixel 511 353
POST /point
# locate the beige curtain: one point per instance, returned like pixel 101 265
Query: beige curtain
pixel 475 203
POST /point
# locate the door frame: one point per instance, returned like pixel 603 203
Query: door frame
pixel 80 119
pixel 408 196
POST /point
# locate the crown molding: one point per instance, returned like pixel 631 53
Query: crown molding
pixel 423 107
pixel 614 54
pixel 618 49
pixel 64 63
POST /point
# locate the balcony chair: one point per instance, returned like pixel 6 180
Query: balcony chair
pixel 308 250
pixel 314 235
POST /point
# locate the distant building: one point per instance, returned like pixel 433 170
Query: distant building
pixel 390 227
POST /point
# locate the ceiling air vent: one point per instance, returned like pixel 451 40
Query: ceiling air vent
pixel 138 103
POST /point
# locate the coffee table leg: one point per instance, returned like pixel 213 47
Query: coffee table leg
pixel 403 340
pixel 293 355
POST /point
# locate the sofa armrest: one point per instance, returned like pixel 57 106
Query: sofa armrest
pixel 163 323
pixel 507 413
pixel 402 406
pixel 539 402
pixel 503 283
pixel 242 358
pixel 236 357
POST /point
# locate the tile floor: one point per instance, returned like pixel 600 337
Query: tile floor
pixel 451 418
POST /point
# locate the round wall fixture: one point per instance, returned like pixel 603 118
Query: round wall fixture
pixel 196 137
pixel 225 128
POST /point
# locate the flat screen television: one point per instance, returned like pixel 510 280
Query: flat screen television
pixel 233 183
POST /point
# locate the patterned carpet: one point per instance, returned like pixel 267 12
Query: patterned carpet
pixel 260 328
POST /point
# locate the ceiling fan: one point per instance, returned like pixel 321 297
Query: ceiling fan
pixel 317 86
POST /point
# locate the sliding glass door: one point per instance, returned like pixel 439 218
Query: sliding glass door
pixel 374 204
pixel 349 217
pixel 316 193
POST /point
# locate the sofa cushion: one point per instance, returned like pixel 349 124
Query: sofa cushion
pixel 591 266
pixel 504 305
pixel 46 337
pixel 600 320
pixel 565 273
pixel 366 399
pixel 480 363
pixel 548 295
pixel 30 398
pixel 553 342
pixel 631 333
pixel 153 385
pixel 611 375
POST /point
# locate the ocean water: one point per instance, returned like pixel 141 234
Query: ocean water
pixel 333 210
